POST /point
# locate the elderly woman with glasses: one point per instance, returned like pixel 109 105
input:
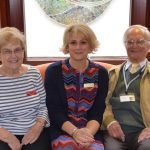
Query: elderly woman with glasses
pixel 127 114
pixel 23 112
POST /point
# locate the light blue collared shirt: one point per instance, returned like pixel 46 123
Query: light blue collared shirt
pixel 129 63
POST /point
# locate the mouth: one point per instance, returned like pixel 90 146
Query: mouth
pixel 13 61
pixel 134 51
pixel 79 52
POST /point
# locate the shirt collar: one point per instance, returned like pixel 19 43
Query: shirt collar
pixel 142 63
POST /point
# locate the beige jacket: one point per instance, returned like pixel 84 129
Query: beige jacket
pixel 144 95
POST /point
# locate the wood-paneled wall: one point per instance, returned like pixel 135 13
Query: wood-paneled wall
pixel 11 13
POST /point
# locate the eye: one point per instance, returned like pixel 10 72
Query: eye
pixel 140 42
pixel 84 42
pixel 73 42
pixel 6 51
pixel 18 50
pixel 130 42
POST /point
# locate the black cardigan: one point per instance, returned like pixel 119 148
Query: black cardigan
pixel 56 100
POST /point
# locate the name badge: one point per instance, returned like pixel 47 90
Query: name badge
pixel 127 98
pixel 88 85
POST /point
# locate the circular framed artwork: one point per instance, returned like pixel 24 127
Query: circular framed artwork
pixel 73 11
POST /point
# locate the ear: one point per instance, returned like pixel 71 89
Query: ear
pixel 0 57
pixel 148 47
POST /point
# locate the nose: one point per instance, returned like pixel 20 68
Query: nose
pixel 134 44
pixel 13 54
pixel 78 45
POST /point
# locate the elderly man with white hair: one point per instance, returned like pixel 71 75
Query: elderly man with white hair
pixel 127 114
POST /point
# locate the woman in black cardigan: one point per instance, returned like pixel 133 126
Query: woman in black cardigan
pixel 76 89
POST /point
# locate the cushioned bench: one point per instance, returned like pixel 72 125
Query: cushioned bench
pixel 43 67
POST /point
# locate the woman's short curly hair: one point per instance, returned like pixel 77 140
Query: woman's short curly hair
pixel 11 34
pixel 80 29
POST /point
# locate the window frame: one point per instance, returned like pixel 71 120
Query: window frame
pixel 9 9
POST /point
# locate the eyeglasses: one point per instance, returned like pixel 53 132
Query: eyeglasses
pixel 138 42
pixel 16 51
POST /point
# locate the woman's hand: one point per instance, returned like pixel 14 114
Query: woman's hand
pixel 14 143
pixel 83 137
pixel 10 139
pixel 33 134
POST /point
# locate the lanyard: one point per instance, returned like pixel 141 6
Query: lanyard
pixel 125 81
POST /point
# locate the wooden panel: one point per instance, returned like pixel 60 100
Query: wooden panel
pixel 138 12
pixel 148 14
pixel 111 60
pixel 11 13
pixel 4 13
pixel 16 14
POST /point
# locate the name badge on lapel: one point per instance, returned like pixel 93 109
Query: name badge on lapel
pixel 89 85
pixel 127 98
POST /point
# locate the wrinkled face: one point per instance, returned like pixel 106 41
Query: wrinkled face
pixel 12 55
pixel 78 48
pixel 137 45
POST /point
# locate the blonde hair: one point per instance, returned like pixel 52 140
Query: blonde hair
pixel 11 34
pixel 80 29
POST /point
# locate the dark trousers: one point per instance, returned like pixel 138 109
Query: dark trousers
pixel 42 143
pixel 131 143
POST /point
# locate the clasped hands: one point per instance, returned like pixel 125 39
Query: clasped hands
pixel 115 131
pixel 83 137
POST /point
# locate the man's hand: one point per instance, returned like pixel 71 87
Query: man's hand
pixel 145 134
pixel 115 131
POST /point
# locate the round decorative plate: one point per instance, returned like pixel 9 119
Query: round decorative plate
pixel 73 11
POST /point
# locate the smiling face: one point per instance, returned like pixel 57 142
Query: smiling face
pixel 12 49
pixel 82 31
pixel 137 44
pixel 78 47
pixel 12 55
